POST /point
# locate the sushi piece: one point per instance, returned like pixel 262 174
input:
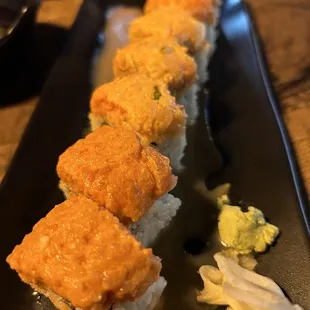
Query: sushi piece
pixel 206 11
pixel 170 22
pixel 112 167
pixel 146 106
pixel 81 256
pixel 174 22
pixel 162 59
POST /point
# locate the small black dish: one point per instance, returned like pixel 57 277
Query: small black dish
pixel 15 15
pixel 27 51
pixel 16 45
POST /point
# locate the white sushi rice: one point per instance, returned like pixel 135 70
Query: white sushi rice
pixel 212 31
pixel 211 37
pixel 189 100
pixel 202 59
pixel 174 148
pixel 156 220
pixel 148 300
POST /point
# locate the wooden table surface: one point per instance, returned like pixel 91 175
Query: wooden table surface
pixel 283 25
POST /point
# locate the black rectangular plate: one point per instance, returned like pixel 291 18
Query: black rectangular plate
pixel 246 126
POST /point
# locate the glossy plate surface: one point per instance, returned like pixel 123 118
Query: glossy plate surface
pixel 246 128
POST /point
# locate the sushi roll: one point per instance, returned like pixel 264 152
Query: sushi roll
pixel 82 257
pixel 175 22
pixel 206 11
pixel 112 167
pixel 162 59
pixel 146 106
